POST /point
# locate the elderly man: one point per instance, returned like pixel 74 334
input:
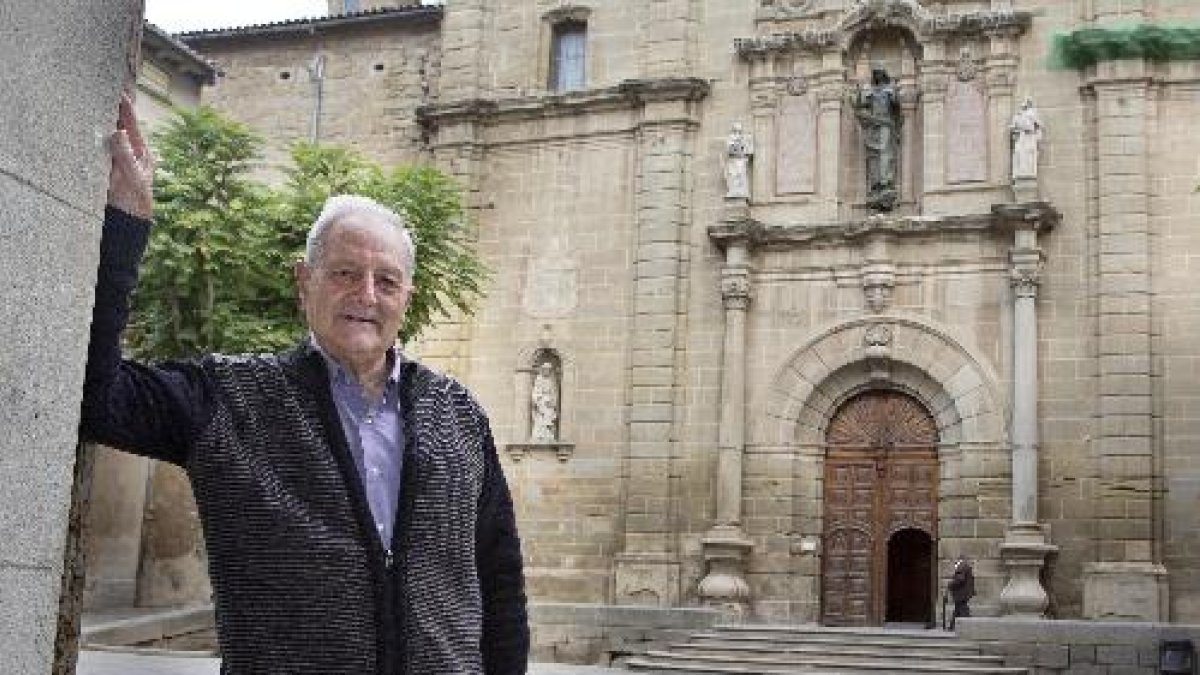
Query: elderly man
pixel 356 516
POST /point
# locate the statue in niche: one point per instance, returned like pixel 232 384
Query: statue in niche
pixel 544 399
pixel 1026 131
pixel 739 148
pixel 877 107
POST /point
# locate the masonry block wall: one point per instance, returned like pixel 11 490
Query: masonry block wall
pixel 373 78
pixel 593 209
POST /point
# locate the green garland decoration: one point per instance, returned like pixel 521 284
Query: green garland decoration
pixel 1089 46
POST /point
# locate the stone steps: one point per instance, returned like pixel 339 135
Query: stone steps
pixel 770 650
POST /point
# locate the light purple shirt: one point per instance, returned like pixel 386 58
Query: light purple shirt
pixel 375 434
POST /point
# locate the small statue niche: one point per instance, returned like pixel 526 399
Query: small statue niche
pixel 545 398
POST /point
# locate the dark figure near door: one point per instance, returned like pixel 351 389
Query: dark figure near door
pixel 961 588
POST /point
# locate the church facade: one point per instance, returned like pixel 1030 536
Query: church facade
pixel 794 302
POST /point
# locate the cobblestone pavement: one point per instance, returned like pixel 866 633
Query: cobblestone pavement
pixel 127 663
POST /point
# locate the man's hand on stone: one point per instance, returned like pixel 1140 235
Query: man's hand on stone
pixel 131 181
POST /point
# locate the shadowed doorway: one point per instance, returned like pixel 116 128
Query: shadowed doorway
pixel 910 578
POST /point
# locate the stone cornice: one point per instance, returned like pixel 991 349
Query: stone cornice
pixel 906 14
pixel 628 95
pixel 1001 219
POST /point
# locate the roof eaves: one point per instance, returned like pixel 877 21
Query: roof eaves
pixel 384 14
pixel 187 59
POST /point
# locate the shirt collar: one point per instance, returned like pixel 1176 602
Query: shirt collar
pixel 340 375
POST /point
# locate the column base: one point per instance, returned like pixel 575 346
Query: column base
pixel 1024 554
pixel 724 587
pixel 648 579
pixel 1125 591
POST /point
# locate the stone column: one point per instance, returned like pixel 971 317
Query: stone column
pixel 64 65
pixel 1025 547
pixel 725 544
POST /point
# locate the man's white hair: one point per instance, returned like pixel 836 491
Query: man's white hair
pixel 340 206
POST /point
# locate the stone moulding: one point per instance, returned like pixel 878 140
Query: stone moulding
pixel 627 95
pixel 887 14
pixel 518 451
pixel 1002 218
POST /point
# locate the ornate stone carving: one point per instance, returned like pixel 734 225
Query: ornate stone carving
pixel 797 85
pixel 1026 272
pixel 877 286
pixel 739 149
pixel 877 107
pixel 735 288
pixel 968 67
pixel 878 336
pixel 865 15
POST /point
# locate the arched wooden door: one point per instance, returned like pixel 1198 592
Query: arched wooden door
pixel 881 476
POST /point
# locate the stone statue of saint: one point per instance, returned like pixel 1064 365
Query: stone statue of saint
pixel 1026 131
pixel 544 405
pixel 739 148
pixel 878 110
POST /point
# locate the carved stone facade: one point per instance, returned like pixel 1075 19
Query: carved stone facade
pixel 708 342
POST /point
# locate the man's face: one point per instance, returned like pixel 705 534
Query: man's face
pixel 354 294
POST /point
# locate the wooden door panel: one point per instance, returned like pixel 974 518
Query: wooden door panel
pixel 880 477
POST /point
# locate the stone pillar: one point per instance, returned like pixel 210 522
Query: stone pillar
pixel 831 99
pixel 725 544
pixel 1001 74
pixel 60 103
pixel 462 71
pixel 1025 547
pixel 1125 582
pixel 935 76
pixel 647 570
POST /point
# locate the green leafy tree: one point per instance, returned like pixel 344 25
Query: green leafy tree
pixel 449 274
pixel 218 271
pixel 213 278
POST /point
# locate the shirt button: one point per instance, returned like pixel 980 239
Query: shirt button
pixel 373 472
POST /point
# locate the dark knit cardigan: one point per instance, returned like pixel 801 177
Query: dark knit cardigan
pixel 302 584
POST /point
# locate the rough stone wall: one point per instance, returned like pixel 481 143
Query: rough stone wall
pixel 375 77
pixel 62 96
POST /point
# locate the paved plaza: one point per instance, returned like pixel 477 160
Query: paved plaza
pixel 143 663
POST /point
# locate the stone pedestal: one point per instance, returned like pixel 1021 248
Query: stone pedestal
pixel 1125 591
pixel 1024 554
pixel 725 587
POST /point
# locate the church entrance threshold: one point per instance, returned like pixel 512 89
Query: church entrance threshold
pixel 880 502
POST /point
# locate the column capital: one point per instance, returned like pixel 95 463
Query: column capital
pixel 1026 272
pixel 736 290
